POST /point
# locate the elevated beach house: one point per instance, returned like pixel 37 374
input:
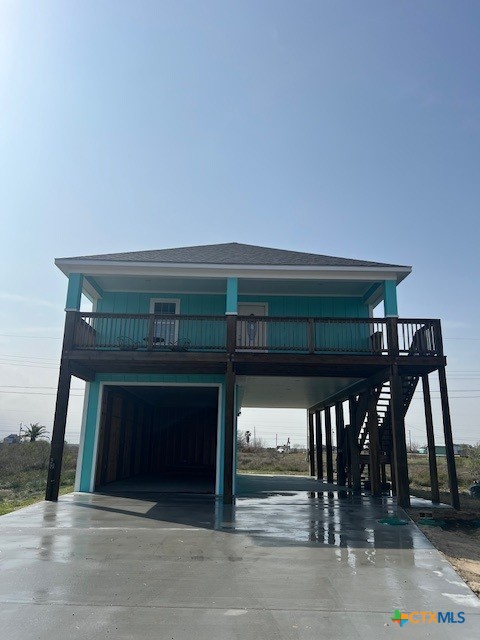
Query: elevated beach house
pixel 179 340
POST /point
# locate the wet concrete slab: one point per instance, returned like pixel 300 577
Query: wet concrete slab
pixel 283 562
pixel 146 484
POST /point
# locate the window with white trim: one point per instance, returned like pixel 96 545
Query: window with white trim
pixel 165 329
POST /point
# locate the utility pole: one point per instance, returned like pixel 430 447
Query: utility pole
pixel 410 440
pixel 276 440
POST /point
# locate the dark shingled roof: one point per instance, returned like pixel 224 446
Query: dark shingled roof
pixel 234 253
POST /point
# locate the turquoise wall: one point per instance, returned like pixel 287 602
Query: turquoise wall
pixel 195 304
pixel 190 304
pixel 305 306
pixel 92 414
pixel 232 295
pixel 74 292
pixel 390 298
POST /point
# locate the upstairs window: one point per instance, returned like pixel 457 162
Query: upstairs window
pixel 165 329
pixel 165 308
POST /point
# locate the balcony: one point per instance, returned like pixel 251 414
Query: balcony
pixel 236 335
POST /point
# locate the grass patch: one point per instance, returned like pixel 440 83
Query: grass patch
pixel 258 460
pixel 418 470
pixel 23 473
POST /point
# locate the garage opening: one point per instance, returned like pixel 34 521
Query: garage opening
pixel 158 438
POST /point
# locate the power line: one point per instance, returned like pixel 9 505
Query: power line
pixel 22 364
pixel 28 360
pixel 15 335
pixel 21 355
pixel 15 386
pixel 456 390
pixel 17 410
pixel 450 370
pixel 35 393
pixel 31 360
pixel 451 397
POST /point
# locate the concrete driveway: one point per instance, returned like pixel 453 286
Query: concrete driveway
pixel 285 562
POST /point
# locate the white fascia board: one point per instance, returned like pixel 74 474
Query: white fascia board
pixel 279 272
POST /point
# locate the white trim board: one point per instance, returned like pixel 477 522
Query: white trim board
pixel 243 293
pixel 99 267
pixel 245 303
pixel 153 301
pixel 81 446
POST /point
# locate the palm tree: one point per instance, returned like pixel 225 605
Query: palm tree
pixel 35 431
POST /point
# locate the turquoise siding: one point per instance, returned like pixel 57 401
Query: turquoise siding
pixel 190 304
pixel 74 291
pixel 232 295
pixel 207 304
pixel 304 306
pixel 390 298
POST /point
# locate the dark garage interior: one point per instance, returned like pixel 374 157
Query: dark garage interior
pixel 157 438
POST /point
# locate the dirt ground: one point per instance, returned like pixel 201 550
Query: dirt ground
pixel 457 535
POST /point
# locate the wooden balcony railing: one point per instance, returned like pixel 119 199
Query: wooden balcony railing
pixel 237 334
pixel 132 332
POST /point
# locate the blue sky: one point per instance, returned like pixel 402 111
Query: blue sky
pixel 346 128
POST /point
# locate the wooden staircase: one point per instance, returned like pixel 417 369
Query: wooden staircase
pixel 409 385
pixel 384 415
pixel 383 411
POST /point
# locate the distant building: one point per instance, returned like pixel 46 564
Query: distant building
pixel 12 439
pixel 442 450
